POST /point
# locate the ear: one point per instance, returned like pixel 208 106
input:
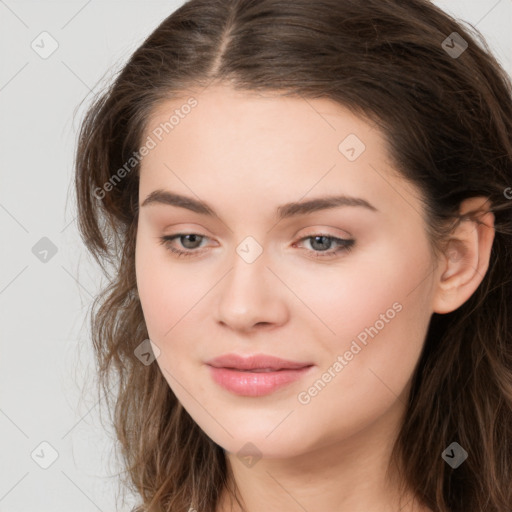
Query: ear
pixel 465 260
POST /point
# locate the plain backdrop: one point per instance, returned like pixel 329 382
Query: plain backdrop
pixel 48 405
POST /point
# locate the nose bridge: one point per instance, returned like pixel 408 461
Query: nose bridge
pixel 248 295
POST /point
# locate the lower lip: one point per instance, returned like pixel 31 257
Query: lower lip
pixel 255 383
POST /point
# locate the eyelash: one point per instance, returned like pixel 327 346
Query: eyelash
pixel 346 245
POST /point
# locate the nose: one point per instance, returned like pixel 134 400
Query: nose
pixel 251 297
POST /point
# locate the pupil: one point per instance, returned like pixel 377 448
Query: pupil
pixel 189 238
pixel 317 238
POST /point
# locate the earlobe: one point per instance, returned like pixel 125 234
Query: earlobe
pixel 466 257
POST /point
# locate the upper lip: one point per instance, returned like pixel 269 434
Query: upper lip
pixel 257 361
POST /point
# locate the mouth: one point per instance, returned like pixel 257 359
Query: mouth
pixel 257 375
pixel 260 370
pixel 256 363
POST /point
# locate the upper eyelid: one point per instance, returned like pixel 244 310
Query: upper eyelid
pixel 318 232
pixel 345 235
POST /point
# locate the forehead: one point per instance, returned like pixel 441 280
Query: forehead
pixel 254 146
pixel 219 113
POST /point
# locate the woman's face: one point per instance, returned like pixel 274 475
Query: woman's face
pixel 346 292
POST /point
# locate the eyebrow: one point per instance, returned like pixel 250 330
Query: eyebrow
pixel 284 211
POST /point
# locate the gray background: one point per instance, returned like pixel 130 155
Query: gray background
pixel 47 391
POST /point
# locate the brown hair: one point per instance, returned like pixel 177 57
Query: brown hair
pixel 447 120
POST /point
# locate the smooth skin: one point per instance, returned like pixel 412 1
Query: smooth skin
pixel 246 154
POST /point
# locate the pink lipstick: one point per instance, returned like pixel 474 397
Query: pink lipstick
pixel 255 375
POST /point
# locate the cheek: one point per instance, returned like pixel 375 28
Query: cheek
pixel 366 288
pixel 165 293
pixel 374 312
pixel 379 312
pixel 378 353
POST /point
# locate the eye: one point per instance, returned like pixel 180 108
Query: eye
pixel 190 240
pixel 320 241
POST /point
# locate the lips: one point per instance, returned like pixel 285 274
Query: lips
pixel 257 375
pixel 256 363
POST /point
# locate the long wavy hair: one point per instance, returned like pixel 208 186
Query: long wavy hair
pixel 446 115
